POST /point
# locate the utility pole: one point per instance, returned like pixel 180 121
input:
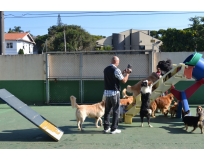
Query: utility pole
pixel 2 33
pixel 64 39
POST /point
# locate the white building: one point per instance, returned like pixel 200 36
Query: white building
pixel 16 41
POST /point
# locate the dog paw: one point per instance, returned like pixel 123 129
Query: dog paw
pixel 150 126
pixel 97 126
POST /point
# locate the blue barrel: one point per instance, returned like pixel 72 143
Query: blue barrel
pixel 198 71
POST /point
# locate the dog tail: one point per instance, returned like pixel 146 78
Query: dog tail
pixel 73 101
pixel 129 89
pixel 124 95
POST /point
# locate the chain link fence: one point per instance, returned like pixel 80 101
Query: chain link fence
pixel 68 73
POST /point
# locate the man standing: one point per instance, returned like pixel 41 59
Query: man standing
pixel 112 78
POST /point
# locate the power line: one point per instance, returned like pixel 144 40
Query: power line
pixel 80 12
pixel 86 15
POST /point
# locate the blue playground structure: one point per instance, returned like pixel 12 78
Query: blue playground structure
pixel 195 70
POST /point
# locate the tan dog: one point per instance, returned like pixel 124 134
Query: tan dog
pixel 126 100
pixel 135 89
pixel 173 109
pixel 92 111
pixel 200 113
pixel 162 103
pixel 199 109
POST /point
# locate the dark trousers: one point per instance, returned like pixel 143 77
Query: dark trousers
pixel 113 103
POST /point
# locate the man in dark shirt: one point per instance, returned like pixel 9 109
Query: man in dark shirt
pixel 112 78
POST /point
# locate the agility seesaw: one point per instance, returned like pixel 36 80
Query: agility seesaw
pixel 178 73
pixel 31 115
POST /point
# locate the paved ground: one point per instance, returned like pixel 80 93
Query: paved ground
pixel 16 132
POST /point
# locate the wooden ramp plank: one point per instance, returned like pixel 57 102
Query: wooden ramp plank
pixel 31 115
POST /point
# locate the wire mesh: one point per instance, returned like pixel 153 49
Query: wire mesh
pixel 78 67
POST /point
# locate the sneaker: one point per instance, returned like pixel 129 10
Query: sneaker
pixel 108 130
pixel 115 131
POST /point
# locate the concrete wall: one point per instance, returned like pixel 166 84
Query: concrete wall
pixel 22 67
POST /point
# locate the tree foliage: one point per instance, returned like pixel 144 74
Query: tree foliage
pixel 15 29
pixel 189 39
pixel 40 42
pixel 76 38
pixel 20 51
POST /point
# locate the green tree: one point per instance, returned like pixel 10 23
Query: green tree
pixel 183 40
pixel 21 51
pixel 197 28
pixel 40 42
pixel 16 29
pixel 77 39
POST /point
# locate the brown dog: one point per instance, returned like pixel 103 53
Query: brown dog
pixel 135 89
pixel 126 100
pixel 173 109
pixel 194 121
pixel 162 103
pixel 92 111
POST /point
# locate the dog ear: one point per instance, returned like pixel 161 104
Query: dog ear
pixel 199 109
pixel 103 102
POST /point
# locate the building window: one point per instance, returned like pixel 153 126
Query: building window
pixel 9 45
pixel 142 48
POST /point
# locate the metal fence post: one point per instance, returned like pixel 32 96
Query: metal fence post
pixel 81 76
pixel 47 80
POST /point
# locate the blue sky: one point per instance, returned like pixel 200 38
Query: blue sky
pixel 101 25
pixel 98 25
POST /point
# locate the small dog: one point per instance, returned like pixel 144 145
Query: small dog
pixel 136 89
pixel 194 121
pixel 145 111
pixel 92 111
pixel 162 103
pixel 173 109
pixel 198 110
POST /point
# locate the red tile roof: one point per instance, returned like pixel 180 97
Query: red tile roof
pixel 14 36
